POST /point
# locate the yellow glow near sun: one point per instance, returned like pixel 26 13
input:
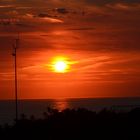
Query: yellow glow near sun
pixel 60 65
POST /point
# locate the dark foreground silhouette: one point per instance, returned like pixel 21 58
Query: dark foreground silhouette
pixel 76 124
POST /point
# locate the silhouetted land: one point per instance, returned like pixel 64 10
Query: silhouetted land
pixel 76 124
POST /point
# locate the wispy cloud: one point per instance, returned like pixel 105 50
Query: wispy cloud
pixel 6 6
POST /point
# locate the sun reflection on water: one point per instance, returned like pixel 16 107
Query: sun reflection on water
pixel 60 104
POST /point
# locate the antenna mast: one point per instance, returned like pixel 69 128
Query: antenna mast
pixel 15 47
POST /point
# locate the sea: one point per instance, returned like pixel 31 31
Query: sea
pixel 36 107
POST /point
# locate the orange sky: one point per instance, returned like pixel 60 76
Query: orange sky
pixel 99 39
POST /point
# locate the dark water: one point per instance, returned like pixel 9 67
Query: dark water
pixel 37 107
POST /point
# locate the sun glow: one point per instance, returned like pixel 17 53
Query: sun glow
pixel 60 65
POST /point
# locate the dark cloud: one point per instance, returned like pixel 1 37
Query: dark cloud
pixel 102 2
pixel 82 28
pixel 62 10
pixel 43 15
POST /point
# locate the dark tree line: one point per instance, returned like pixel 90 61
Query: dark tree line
pixel 76 124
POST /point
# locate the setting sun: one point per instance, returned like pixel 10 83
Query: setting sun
pixel 60 65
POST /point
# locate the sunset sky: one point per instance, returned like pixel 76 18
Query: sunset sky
pixel 99 40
